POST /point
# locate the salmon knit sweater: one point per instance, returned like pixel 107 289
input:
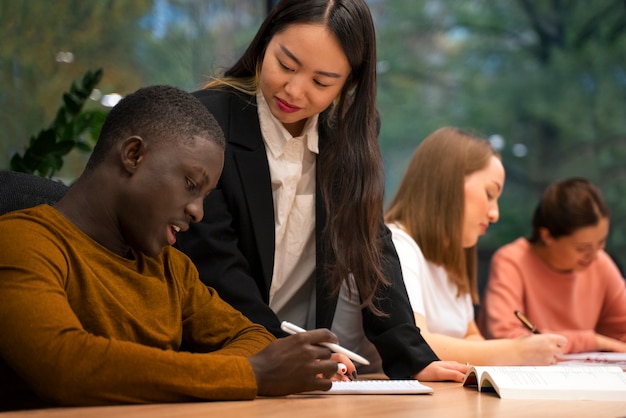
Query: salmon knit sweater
pixel 80 325
pixel 575 305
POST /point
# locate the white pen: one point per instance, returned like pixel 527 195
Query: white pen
pixel 290 328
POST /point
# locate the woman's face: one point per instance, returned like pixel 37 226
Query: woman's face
pixel 576 251
pixel 303 71
pixel 482 190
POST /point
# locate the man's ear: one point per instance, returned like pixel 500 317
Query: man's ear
pixel 132 151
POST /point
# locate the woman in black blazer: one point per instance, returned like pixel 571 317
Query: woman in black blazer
pixel 309 75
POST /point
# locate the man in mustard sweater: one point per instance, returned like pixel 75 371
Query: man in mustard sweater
pixel 97 307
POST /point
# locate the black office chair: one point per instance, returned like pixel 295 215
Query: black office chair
pixel 22 190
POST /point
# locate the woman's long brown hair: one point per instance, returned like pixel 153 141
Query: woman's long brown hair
pixel 430 201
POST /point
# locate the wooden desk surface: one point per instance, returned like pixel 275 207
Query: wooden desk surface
pixel 450 400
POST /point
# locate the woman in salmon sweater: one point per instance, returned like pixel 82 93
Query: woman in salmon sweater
pixel 560 277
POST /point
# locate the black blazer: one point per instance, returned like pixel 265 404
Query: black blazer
pixel 233 246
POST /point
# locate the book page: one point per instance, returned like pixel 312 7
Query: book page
pixel 551 378
pixel 554 382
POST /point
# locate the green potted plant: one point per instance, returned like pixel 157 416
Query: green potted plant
pixel 69 130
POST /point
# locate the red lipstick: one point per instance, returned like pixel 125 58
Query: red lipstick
pixel 286 107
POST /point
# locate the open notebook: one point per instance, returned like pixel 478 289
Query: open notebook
pixel 376 387
pixel 594 358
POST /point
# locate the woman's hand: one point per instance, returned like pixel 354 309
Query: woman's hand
pixel 610 344
pixel 443 370
pixel 539 349
pixel 349 374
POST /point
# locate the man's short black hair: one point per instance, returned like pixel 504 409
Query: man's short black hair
pixel 156 113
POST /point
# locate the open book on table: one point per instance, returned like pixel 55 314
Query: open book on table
pixel 606 383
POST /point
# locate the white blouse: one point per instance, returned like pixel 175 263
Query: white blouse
pixel 292 171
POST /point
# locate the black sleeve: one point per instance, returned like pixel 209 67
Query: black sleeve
pixel 212 246
pixel 221 245
pixel 402 348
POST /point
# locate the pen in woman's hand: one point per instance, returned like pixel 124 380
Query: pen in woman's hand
pixel 531 327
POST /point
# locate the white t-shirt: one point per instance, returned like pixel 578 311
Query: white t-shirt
pixel 431 293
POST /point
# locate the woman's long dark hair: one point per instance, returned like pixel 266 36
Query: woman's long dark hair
pixel 349 168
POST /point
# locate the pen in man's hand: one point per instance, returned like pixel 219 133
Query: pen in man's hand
pixel 531 327
pixel 290 328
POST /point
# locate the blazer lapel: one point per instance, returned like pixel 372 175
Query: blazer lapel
pixel 325 306
pixel 251 161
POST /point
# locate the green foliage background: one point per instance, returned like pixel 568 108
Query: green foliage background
pixel 548 77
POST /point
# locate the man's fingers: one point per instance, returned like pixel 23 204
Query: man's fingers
pixel 320 335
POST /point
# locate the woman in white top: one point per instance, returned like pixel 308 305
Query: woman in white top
pixel 446 200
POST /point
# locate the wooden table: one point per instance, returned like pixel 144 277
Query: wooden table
pixel 450 400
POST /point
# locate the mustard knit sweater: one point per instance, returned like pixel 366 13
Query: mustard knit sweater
pixel 80 325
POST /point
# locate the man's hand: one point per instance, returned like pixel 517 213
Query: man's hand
pixel 295 364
